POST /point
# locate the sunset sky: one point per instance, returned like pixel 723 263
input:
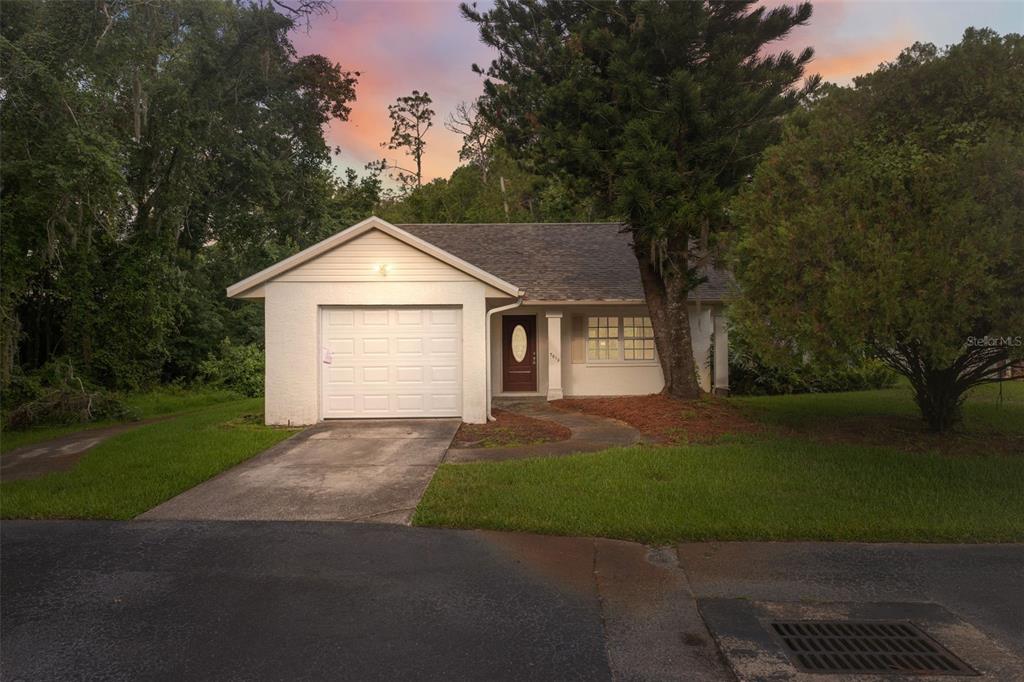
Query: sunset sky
pixel 400 46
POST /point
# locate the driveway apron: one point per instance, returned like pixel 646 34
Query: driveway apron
pixel 355 470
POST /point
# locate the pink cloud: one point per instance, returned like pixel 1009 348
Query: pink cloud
pixel 398 47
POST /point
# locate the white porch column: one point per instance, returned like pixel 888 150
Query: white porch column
pixel 700 333
pixel 554 354
pixel 721 354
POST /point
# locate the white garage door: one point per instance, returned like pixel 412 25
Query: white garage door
pixel 391 362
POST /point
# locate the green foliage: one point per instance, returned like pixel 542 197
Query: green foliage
pixel 411 118
pixel 750 376
pixel 237 368
pixel 470 195
pixel 657 110
pixel 890 217
pixel 132 472
pixel 58 396
pixel 153 154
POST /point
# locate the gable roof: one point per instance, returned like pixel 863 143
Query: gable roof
pixel 557 261
pixel 550 261
pixel 371 223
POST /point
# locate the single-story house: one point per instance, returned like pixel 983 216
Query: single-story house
pixel 385 320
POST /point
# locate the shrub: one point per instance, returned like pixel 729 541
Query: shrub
pixel 750 375
pixel 237 368
pixel 56 395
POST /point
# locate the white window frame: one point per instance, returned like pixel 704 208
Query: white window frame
pixel 643 332
pixel 620 353
pixel 600 322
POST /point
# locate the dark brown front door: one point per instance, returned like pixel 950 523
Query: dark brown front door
pixel 519 353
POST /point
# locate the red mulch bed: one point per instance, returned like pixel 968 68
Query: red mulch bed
pixel 509 430
pixel 668 420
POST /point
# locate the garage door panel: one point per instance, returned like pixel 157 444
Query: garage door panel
pixel 340 317
pixel 342 405
pixel 444 375
pixel 375 375
pixel 340 375
pixel 444 345
pixel 443 316
pixel 445 401
pixel 375 318
pixel 410 403
pixel 375 346
pixel 409 346
pixel 376 403
pixel 392 362
pixel 409 375
pixel 409 317
pixel 340 346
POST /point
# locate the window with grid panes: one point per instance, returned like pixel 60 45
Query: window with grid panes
pixel 637 338
pixel 602 338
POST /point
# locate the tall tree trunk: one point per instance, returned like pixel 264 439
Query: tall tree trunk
pixel 940 399
pixel 666 301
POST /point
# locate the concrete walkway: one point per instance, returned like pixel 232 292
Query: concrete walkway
pixel 358 470
pixel 590 433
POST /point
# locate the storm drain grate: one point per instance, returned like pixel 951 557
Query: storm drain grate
pixel 858 647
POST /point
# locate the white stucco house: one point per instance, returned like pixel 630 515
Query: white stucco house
pixel 385 320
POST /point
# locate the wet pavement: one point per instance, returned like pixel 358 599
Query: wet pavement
pixel 352 470
pixel 300 600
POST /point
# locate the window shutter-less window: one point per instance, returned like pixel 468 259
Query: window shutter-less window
pixel 579 339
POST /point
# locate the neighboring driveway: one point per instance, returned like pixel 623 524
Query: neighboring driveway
pixel 360 470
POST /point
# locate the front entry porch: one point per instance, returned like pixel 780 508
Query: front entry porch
pixel 577 350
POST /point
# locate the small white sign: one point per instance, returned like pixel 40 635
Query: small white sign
pixel 327 356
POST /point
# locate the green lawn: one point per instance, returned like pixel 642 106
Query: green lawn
pixel 134 471
pixel 983 410
pixel 772 487
pixel 149 404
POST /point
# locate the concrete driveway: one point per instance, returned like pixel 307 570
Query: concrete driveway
pixel 360 470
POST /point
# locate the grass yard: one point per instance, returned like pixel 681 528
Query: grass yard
pixel 984 411
pixel 148 405
pixel 785 484
pixel 134 471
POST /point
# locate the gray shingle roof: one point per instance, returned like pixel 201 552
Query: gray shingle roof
pixel 556 261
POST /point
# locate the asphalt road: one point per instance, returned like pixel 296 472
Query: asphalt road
pixel 283 601
pixel 278 600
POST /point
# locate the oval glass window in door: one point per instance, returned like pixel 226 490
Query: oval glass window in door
pixel 519 343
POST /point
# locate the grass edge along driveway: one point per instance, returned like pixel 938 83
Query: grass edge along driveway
pixel 134 471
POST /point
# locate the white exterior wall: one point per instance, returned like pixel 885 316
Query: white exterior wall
pixel 372 269
pixel 600 378
pixel 377 269
pixel 293 338
pixel 701 327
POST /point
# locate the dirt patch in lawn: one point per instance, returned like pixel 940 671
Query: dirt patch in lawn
pixel 667 420
pixel 509 430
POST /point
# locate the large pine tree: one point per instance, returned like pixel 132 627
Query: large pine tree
pixel 656 109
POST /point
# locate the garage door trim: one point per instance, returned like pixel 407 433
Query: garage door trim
pixel 387 362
